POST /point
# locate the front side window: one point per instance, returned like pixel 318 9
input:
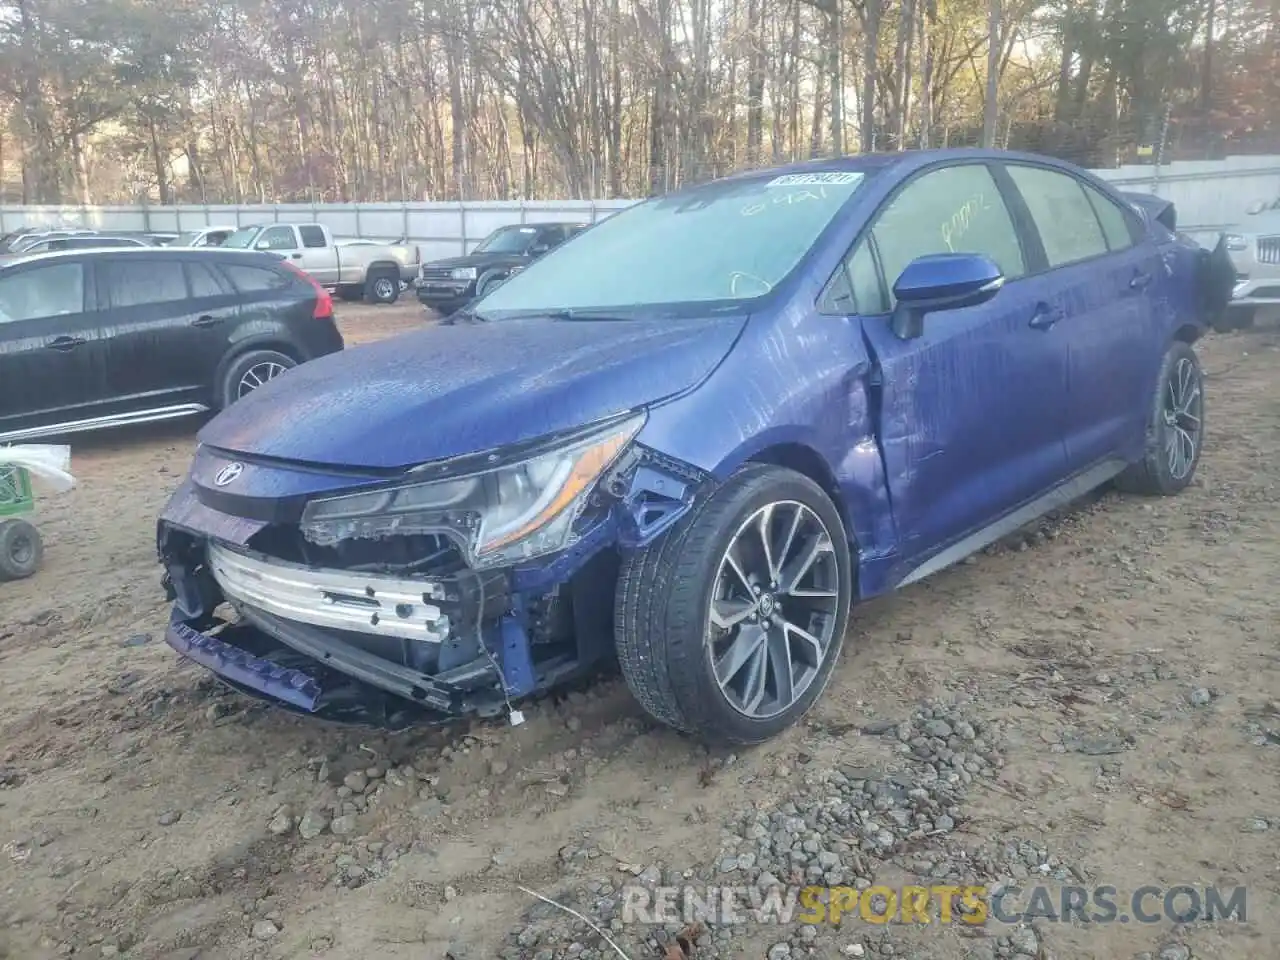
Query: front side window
pixel 730 240
pixel 277 238
pixel 1063 215
pixel 953 210
pixel 136 282
pixel 52 290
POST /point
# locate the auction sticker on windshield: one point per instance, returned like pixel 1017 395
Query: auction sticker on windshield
pixel 828 178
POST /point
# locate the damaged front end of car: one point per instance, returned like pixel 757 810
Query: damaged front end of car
pixel 450 589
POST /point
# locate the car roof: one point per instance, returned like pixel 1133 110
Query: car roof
pixel 250 257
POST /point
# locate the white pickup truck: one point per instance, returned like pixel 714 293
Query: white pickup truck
pixel 374 272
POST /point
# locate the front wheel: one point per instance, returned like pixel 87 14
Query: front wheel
pixel 728 627
pixel 1175 428
pixel 21 549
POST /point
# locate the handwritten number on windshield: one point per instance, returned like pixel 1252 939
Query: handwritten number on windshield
pixel 788 198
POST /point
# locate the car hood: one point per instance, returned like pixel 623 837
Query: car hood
pixel 479 260
pixel 447 391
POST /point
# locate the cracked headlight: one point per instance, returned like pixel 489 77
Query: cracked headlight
pixel 463 273
pixel 500 516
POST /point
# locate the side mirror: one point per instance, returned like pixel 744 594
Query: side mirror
pixel 262 245
pixel 941 281
pixel 1256 207
pixel 538 249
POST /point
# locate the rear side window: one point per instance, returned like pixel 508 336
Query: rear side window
pixel 249 279
pixel 1116 224
pixel 202 280
pixel 312 236
pixel 52 290
pixel 1063 215
pixel 135 282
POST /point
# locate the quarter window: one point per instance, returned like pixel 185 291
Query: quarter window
pixel 203 281
pixel 40 292
pixel 254 279
pixel 1063 215
pixel 134 282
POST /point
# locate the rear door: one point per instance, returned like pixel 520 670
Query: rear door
pixel 970 413
pixel 47 338
pixel 153 343
pixel 1101 271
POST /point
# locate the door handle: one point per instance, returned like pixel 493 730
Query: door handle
pixel 1045 317
pixel 206 321
pixel 296 256
pixel 1139 280
pixel 65 343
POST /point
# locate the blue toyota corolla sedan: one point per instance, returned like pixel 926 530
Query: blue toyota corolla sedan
pixel 692 439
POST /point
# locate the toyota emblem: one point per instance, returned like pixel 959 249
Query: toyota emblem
pixel 228 474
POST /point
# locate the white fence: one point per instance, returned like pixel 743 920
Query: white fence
pixel 1210 195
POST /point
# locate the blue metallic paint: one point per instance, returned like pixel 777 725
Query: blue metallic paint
pixel 920 441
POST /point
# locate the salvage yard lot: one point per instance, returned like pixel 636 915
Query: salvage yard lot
pixel 1119 666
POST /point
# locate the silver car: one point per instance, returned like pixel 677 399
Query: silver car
pixel 1255 254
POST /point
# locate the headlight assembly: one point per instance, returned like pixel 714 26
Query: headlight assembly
pixel 1236 242
pixel 463 273
pixel 500 516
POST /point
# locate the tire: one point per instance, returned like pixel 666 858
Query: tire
pixel 254 364
pixel 1166 468
pixel 382 286
pixel 21 550
pixel 665 639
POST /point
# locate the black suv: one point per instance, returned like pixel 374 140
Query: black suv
pixel 448 285
pixel 104 338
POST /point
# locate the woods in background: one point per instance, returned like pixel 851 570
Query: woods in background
pixel 213 101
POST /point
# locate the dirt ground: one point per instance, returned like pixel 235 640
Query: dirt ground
pixel 1126 652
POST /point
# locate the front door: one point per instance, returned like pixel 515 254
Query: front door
pixel 970 413
pixel 48 345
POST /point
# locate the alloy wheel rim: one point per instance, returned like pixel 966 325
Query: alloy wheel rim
pixel 382 288
pixel 259 374
pixel 773 611
pixel 1183 414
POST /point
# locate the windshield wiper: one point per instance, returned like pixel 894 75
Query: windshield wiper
pixel 585 315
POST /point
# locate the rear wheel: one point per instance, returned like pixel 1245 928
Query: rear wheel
pixel 729 626
pixel 382 286
pixel 251 370
pixel 21 550
pixel 1175 428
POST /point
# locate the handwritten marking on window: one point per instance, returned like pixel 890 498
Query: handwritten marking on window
pixel 957 225
pixel 784 199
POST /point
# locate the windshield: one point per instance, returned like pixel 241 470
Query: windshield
pixel 242 239
pixel 508 240
pixel 731 240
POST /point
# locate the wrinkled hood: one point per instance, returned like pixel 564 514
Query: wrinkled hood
pixel 479 260
pixel 447 391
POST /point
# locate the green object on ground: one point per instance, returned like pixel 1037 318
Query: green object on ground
pixel 15 492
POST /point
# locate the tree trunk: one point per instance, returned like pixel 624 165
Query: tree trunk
pixel 990 104
pixel 870 51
